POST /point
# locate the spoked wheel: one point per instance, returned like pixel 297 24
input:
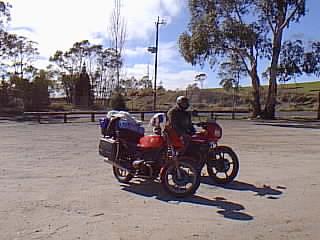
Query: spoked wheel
pixel 121 175
pixel 222 164
pixel 182 180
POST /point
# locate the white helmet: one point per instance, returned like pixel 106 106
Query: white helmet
pixel 183 102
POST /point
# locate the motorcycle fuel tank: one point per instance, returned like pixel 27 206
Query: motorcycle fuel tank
pixel 151 141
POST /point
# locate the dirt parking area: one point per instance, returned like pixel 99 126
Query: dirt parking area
pixel 54 185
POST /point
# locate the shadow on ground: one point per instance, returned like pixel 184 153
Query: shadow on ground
pixel 264 191
pixel 228 209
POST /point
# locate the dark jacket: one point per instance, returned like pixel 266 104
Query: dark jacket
pixel 180 120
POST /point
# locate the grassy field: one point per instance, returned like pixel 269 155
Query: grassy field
pixel 291 97
pixel 305 87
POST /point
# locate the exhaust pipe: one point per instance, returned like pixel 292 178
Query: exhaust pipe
pixel 115 164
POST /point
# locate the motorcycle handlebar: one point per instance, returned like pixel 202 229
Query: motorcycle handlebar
pixel 201 124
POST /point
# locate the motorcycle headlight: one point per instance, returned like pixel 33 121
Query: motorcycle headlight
pixel 217 133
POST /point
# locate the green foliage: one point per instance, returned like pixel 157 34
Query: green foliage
pixel 118 102
pixel 40 93
pixel 100 62
pixel 146 92
pixel 4 13
pixel 4 93
pixel 220 30
pixel 34 94
pixel 56 106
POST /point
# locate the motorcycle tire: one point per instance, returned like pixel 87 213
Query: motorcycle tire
pixel 192 181
pixel 122 175
pixel 220 164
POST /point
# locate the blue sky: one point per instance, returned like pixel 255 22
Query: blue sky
pixel 56 25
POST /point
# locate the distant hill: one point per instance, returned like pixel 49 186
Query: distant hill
pixel 291 96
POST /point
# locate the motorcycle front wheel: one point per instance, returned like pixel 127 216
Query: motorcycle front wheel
pixel 222 164
pixel 181 179
pixel 121 175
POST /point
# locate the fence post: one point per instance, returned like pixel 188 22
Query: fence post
pixel 65 120
pixel 39 118
pixel 142 116
pixel 318 106
pixel 92 117
pixel 212 115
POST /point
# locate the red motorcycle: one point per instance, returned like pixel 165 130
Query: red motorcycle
pixel 132 154
pixel 221 162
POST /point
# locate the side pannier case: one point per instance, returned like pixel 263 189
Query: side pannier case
pixel 108 148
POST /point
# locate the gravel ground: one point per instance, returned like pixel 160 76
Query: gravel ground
pixel 54 185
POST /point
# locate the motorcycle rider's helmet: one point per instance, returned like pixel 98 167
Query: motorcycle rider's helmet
pixel 183 102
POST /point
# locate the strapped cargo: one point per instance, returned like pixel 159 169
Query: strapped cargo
pixel 123 124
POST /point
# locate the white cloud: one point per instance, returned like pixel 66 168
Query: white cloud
pixel 135 52
pixel 138 71
pixel 176 79
pixel 169 53
pixel 170 78
pixel 58 24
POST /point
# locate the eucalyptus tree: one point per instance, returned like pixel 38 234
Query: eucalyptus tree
pixel 21 55
pixel 311 59
pixel 277 16
pixel 4 13
pixel 78 54
pixel 4 19
pixel 107 61
pixel 65 71
pixel 118 37
pixel 250 29
pixel 100 65
pixel 231 72
pixel 291 61
pixel 69 64
pixel 145 82
pixel 41 85
pixel 296 59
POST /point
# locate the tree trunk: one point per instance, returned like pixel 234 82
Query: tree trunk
pixel 269 111
pixel 256 105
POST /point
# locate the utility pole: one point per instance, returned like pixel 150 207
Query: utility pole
pixel 155 50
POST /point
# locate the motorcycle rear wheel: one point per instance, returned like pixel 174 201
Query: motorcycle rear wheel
pixel 180 186
pixel 222 165
pixel 122 176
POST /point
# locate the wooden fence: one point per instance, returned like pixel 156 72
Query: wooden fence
pixel 39 116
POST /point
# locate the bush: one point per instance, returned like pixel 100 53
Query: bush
pixel 60 107
pixel 145 92
pixel 118 102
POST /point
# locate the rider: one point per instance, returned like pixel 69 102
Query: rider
pixel 180 120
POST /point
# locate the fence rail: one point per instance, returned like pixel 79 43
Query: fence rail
pixel 40 115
